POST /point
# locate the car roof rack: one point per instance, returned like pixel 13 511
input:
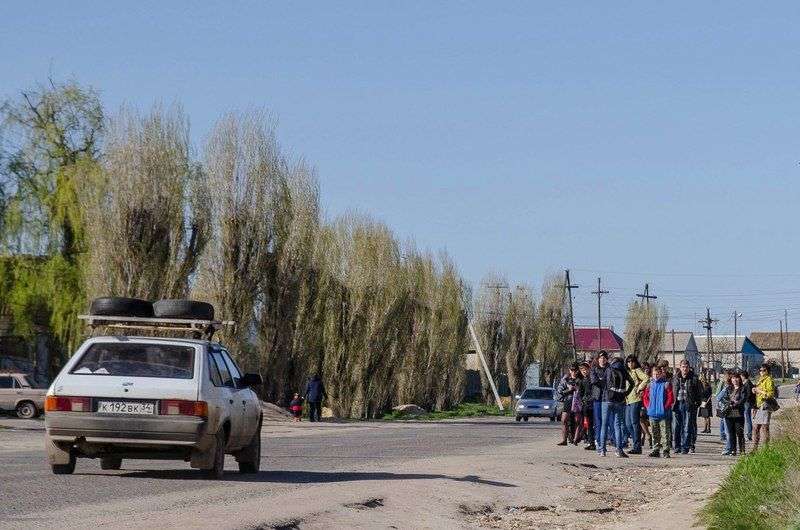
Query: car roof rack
pixel 198 328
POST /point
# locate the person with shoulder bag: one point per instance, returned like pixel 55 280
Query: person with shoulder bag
pixel 736 398
pixel 766 404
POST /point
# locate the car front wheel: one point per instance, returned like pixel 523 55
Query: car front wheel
pixel 249 458
pixel 110 462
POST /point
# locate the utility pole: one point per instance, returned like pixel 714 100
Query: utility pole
pixel 468 309
pixel 569 287
pixel 599 292
pixel 783 362
pixel 673 349
pixel 786 326
pixel 647 296
pixel 708 323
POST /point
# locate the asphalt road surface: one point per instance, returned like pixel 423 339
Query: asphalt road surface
pixel 295 456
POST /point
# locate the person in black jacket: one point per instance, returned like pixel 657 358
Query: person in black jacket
pixel 566 393
pixel 598 377
pixel 736 398
pixel 315 393
pixel 585 430
pixel 688 395
pixel 749 405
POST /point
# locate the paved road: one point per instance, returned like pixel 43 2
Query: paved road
pixel 294 455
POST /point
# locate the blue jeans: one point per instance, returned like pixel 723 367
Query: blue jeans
pixel 748 421
pixel 722 434
pixel 598 423
pixel 613 416
pixel 683 435
pixel 632 418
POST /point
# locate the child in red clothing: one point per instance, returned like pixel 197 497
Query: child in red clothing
pixel 296 407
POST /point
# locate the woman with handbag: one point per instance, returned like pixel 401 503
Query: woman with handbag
pixel 736 398
pixel 765 405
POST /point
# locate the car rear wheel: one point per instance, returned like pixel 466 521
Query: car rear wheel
pixel 519 418
pixel 552 418
pixel 110 462
pixel 217 470
pixel 64 469
pixel 249 458
pixel 27 410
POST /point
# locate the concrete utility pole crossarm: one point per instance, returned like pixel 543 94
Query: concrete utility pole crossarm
pixel 708 323
pixel 647 296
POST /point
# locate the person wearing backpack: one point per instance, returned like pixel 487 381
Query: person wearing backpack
pixel 658 401
pixel 633 402
pixel 618 386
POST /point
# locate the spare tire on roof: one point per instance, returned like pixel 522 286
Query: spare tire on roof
pixel 189 309
pixel 116 306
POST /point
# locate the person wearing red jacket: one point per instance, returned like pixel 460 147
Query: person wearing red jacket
pixel 658 399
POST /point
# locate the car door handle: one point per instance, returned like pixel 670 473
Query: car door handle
pixel 231 401
pixel 244 402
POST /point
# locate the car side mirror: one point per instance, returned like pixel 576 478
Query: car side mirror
pixel 251 380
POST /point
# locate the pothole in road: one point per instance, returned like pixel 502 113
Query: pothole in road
pixel 291 524
pixel 366 505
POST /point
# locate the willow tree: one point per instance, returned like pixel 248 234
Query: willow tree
pixel 49 139
pixel 521 329
pixel 288 343
pixel 552 327
pixel 148 208
pixel 645 326
pixel 243 172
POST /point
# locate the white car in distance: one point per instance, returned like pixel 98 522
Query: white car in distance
pixel 125 397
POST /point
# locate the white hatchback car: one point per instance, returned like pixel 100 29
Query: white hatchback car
pixel 153 398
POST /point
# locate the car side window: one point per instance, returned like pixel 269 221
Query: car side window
pixel 224 373
pixel 6 382
pixel 232 366
pixel 213 371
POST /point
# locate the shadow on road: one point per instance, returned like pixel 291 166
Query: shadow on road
pixel 309 477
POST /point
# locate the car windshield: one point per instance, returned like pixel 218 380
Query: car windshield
pixel 537 393
pixel 137 360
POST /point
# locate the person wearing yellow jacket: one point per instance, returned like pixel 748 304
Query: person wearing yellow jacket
pixel 764 390
pixel 633 402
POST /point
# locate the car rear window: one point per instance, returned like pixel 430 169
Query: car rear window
pixel 137 360
pixel 538 393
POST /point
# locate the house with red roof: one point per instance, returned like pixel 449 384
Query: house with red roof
pixel 589 341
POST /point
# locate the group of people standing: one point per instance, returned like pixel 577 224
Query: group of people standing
pixel 625 404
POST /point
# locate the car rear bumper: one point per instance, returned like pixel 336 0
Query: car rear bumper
pixel 95 428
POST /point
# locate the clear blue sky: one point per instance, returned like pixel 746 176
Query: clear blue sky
pixel 660 141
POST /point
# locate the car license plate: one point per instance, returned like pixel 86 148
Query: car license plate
pixel 125 407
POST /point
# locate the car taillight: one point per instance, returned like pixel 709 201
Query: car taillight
pixel 180 407
pixel 67 404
